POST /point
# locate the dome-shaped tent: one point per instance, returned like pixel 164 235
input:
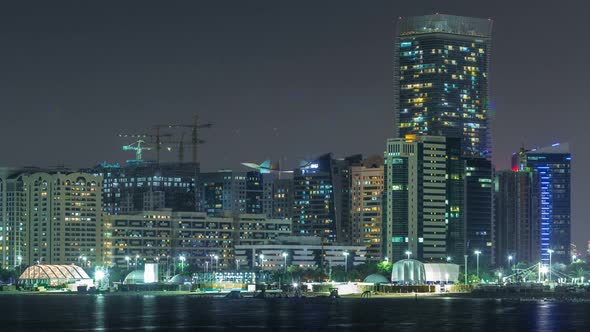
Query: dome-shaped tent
pixel 54 275
pixel 134 277
pixel 179 279
pixel 376 279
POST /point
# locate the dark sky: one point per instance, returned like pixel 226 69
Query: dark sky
pixel 279 79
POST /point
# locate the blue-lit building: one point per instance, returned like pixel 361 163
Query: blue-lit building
pixel 553 165
pixel 441 66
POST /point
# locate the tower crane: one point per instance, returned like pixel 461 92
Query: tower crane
pixel 138 147
pixel 195 141
pixel 155 139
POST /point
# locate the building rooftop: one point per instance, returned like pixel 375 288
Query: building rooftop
pixel 440 23
pixel 557 148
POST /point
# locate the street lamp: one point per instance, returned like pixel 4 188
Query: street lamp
pixel 408 253
pixel 345 261
pixel 136 259
pixel 449 259
pixel 550 251
pixel 182 259
pixel 285 257
pixel 216 261
pixel 127 258
pixel 465 256
pixel 20 262
pixel 261 256
pixel 477 253
pixel 237 264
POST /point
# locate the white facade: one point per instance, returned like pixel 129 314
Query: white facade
pixel 270 256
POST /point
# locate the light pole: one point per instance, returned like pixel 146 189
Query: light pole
pixel 20 262
pixel 449 259
pixel 136 260
pixel 167 266
pixel 182 259
pixel 408 253
pixel 345 261
pixel 550 251
pixel 477 253
pixel 499 277
pixel 466 268
pixel 216 261
pixel 261 256
pixel 285 257
pixel 237 265
pixel 206 266
pixel 127 258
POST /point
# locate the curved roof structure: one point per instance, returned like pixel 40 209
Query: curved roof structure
pixel 376 279
pixel 415 272
pixel 61 272
pixel 408 270
pixel 134 277
pixel 179 279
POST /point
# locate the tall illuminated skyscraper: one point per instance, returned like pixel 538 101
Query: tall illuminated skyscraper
pixel 553 165
pixel 441 79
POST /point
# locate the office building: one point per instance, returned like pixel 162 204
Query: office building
pixel 164 236
pixel 441 65
pixel 366 194
pixel 478 209
pixel 228 191
pixel 322 198
pixel 416 197
pixel 147 186
pixel 258 229
pixel 518 216
pixel 553 164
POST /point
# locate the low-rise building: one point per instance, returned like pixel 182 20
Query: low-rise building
pixel 172 238
pixel 303 252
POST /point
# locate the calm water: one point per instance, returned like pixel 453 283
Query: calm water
pixel 168 313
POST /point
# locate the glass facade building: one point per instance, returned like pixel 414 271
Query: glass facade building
pixel 441 79
pixel 553 164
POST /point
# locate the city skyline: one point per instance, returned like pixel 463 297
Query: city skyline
pixel 266 78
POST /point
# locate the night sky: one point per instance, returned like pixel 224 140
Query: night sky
pixel 278 79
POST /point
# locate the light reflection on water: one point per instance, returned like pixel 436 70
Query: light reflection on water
pixel 136 311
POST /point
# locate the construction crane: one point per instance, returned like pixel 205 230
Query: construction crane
pixel 138 147
pixel 195 141
pixel 155 139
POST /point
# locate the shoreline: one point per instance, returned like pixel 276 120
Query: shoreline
pixel 507 297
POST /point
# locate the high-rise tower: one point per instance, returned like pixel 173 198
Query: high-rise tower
pixel 553 164
pixel 441 79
